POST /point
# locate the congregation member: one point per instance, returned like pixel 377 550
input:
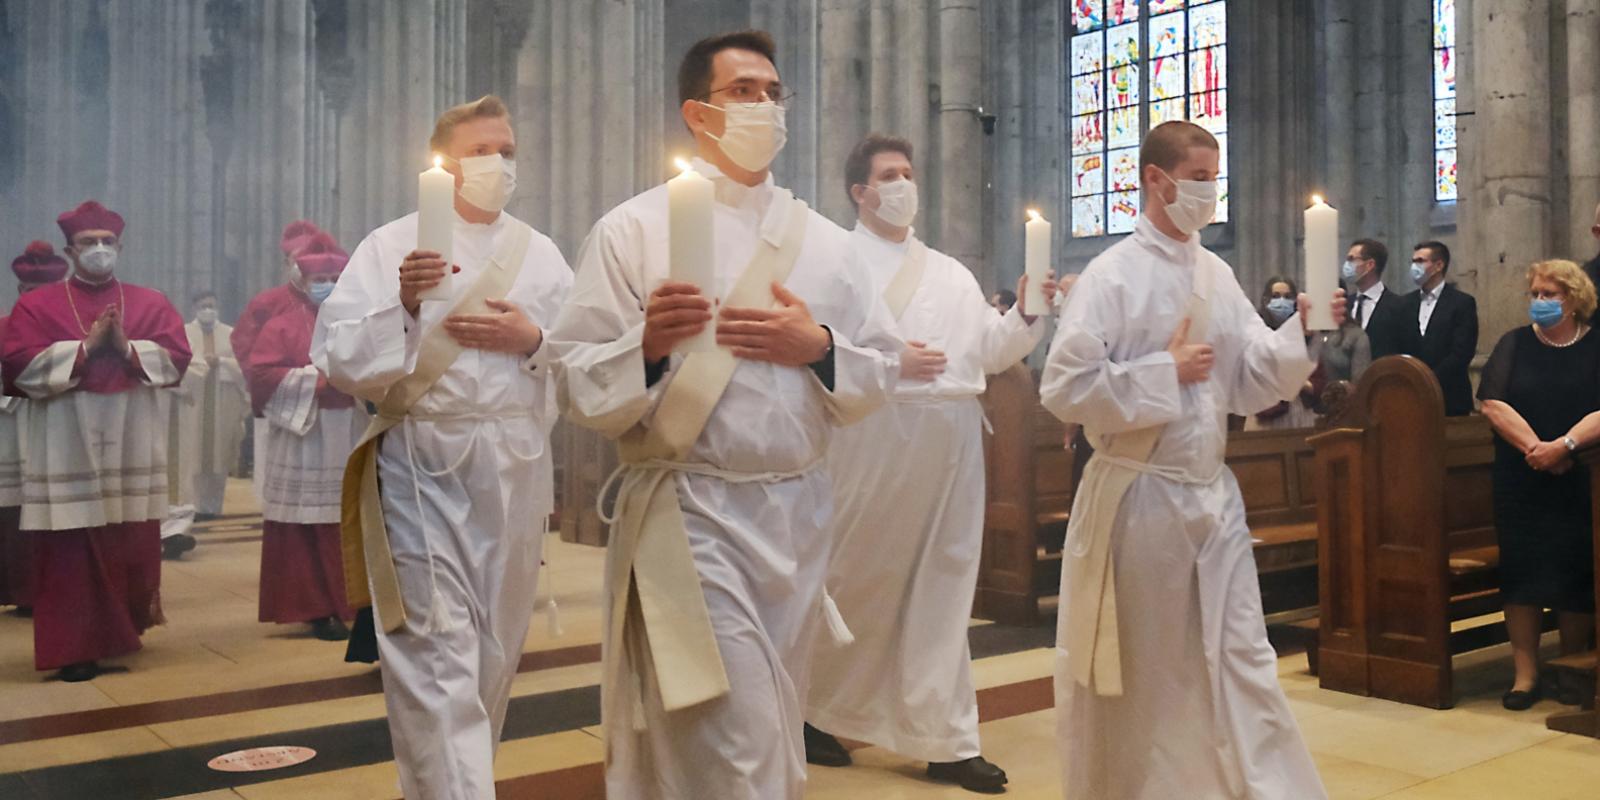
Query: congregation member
pixel 1166 683
pixel 37 266
pixel 717 560
pixel 93 355
pixel 1372 306
pixel 447 491
pixel 1592 268
pixel 1439 324
pixel 1541 393
pixel 1277 304
pixel 311 429
pixel 1003 300
pixel 909 495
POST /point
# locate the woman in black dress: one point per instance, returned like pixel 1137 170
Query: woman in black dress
pixel 1541 392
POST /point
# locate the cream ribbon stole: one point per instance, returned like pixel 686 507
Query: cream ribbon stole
pixel 363 534
pixel 651 572
pixel 1089 627
pixel 903 286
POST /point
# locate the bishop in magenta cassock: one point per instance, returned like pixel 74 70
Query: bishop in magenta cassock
pixel 261 309
pixel 92 354
pixel 311 428
pixel 38 266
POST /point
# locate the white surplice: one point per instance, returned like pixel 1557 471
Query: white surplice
pixel 467 486
pixel 94 459
pixel 1201 714
pixel 209 412
pixel 306 449
pixel 759 545
pixel 908 524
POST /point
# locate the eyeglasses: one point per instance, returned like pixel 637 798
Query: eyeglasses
pixel 1541 294
pixel 748 91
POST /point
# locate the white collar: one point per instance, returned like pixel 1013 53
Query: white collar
pixel 863 230
pixel 733 193
pixel 1373 292
pixel 1167 247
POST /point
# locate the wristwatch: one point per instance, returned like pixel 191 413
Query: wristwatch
pixel 1571 443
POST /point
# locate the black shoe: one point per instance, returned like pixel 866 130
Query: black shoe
pixel 173 547
pixel 80 672
pixel 973 774
pixel 1522 701
pixel 824 750
pixel 330 629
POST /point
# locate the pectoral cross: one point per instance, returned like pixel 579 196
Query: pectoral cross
pixel 102 441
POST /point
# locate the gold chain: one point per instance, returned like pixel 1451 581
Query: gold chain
pixel 122 306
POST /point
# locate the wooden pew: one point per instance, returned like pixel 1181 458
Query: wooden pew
pixel 1032 477
pixel 1407 554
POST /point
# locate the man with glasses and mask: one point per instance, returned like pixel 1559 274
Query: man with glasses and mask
pixel 1372 305
pixel 446 494
pixel 37 266
pixel 718 555
pixel 909 496
pixel 1439 324
pixel 262 308
pixel 92 355
pixel 1166 685
pixel 208 416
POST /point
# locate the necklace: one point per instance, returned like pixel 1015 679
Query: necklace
pixel 122 306
pixel 1577 334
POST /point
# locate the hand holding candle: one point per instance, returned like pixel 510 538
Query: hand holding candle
pixel 436 212
pixel 1322 258
pixel 691 258
pixel 1036 263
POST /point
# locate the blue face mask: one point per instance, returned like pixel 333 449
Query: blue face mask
pixel 1280 308
pixel 1418 273
pixel 319 292
pixel 1546 313
pixel 1349 270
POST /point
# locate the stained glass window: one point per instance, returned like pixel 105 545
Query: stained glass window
pixel 1134 65
pixel 1444 99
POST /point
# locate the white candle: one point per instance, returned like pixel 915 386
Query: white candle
pixel 1322 263
pixel 689 248
pixel 1036 263
pixel 436 220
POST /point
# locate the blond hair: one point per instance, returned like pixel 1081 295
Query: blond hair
pixel 1167 144
pixel 487 106
pixel 1569 276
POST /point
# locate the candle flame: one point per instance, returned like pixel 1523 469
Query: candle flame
pixel 1033 215
pixel 1316 199
pixel 683 166
pixel 438 162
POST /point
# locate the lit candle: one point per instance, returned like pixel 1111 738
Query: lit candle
pixel 436 219
pixel 1322 263
pixel 691 258
pixel 1036 263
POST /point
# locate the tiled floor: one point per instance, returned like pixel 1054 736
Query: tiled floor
pixel 148 731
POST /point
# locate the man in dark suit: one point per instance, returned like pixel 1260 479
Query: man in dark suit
pixel 1372 305
pixel 1441 326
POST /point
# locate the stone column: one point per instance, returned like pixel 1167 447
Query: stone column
pixel 1513 195
pixel 961 136
pixel 1583 126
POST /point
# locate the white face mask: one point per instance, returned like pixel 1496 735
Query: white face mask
pixel 897 202
pixel 487 182
pixel 1195 206
pixel 206 317
pixel 753 133
pixel 98 262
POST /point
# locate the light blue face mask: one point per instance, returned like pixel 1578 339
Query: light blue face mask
pixel 1280 308
pixel 1349 270
pixel 1546 313
pixel 1418 273
pixel 319 292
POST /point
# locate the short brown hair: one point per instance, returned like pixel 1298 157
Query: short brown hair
pixel 1168 144
pixel 694 74
pixel 487 106
pixel 1572 280
pixel 1374 249
pixel 858 167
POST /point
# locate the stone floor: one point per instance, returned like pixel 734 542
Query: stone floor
pixel 213 680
